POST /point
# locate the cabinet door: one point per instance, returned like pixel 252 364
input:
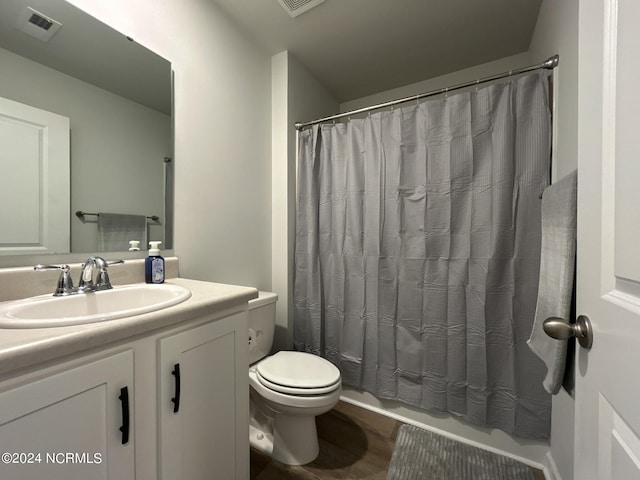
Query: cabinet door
pixel 204 402
pixel 68 425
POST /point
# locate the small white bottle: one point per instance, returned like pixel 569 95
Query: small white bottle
pixel 134 245
pixel 154 265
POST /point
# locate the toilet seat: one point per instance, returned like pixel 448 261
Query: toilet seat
pixel 296 391
pixel 289 373
pixel 304 402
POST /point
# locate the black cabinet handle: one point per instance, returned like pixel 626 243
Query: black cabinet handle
pixel 124 401
pixel 176 398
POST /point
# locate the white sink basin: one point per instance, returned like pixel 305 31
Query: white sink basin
pixel 121 301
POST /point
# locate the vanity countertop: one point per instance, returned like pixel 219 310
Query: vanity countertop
pixel 24 348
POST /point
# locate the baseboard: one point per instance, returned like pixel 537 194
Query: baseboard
pixel 549 468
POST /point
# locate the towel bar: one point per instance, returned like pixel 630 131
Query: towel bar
pixel 80 214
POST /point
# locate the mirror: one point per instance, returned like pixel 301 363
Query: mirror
pixel 117 97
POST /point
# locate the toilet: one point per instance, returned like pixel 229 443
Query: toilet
pixel 288 390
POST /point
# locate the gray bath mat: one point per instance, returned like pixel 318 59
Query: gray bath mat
pixel 422 455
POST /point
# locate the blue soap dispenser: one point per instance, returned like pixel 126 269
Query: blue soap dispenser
pixel 154 265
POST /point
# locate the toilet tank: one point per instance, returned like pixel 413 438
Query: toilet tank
pixel 262 324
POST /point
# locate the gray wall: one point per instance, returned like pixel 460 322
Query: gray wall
pixel 222 134
pixel 297 96
pixel 557 32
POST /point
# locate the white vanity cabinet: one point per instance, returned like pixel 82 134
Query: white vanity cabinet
pixel 112 408
pixel 73 423
pixel 203 402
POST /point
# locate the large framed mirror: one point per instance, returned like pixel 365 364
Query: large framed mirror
pixel 117 98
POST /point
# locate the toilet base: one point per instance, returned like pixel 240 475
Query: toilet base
pixel 290 419
pixel 261 441
pixel 295 440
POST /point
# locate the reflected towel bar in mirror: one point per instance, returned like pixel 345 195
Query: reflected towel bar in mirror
pixel 80 214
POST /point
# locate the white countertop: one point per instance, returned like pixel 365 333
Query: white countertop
pixel 23 348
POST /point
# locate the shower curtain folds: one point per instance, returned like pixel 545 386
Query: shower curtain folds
pixel 418 249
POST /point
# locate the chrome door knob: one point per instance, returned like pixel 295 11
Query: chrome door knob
pixel 561 330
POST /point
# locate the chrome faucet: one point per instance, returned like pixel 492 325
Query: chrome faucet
pixel 99 264
pixel 86 284
pixel 65 284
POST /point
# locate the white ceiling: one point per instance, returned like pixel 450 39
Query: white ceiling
pixel 360 47
pixel 89 50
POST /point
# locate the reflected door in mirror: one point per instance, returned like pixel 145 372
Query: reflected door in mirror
pixel 34 181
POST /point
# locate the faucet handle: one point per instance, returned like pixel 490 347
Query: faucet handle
pixel 65 283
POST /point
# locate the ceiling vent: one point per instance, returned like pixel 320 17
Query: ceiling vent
pixel 37 24
pixel 298 7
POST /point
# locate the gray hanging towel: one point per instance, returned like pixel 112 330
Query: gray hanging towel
pixel 115 230
pixel 557 268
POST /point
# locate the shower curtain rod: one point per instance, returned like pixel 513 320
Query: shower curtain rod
pixel 550 63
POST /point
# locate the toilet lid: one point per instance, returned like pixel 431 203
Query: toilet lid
pixel 298 370
pixel 298 392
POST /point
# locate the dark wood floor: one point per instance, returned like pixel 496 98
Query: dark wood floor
pixel 355 444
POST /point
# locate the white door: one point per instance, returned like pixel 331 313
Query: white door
pixel 607 441
pixel 35 180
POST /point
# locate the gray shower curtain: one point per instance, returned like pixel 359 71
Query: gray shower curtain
pixel 418 249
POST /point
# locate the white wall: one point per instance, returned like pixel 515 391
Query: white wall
pixel 222 134
pixel 461 76
pixel 117 146
pixel 557 32
pixel 282 221
pixel 296 96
